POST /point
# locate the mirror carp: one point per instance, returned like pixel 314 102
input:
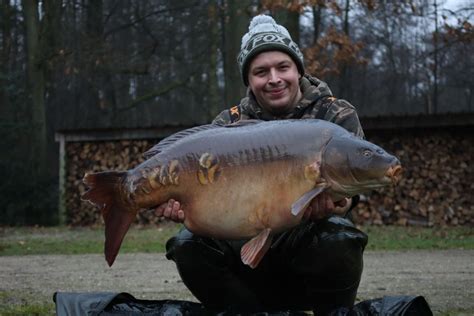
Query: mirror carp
pixel 250 179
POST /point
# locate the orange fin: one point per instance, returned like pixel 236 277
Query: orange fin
pixel 301 204
pixel 254 250
pixel 104 192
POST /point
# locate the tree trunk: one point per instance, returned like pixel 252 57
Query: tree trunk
pixel 317 22
pixel 213 106
pixel 344 85
pixel 290 20
pixel 435 61
pixel 36 87
pixel 236 19
pixel 5 51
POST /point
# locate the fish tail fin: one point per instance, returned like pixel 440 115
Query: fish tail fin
pixel 104 192
pixel 254 250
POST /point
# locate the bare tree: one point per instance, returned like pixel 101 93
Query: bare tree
pixel 235 19
pixel 36 83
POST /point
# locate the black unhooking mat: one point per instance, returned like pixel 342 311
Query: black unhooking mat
pixel 107 304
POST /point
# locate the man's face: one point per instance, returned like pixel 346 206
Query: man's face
pixel 274 80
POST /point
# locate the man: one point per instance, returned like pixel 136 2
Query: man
pixel 316 265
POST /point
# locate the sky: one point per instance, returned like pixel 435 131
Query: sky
pixel 452 4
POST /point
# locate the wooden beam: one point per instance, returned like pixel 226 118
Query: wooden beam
pixel 116 134
pixel 418 121
pixel 62 210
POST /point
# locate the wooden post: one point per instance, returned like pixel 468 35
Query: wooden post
pixel 62 210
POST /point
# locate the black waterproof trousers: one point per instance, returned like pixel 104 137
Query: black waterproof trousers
pixel 315 266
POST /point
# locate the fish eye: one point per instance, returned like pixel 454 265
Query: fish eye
pixel 367 153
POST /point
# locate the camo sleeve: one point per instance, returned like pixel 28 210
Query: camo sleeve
pixel 344 114
pixel 232 115
pixel 222 118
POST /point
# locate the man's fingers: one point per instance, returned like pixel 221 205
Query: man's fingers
pixel 168 209
pixel 159 210
pixel 320 204
pixel 171 210
pixel 308 213
pixel 342 202
pixel 176 206
pixel 329 204
pixel 174 210
pixel 342 206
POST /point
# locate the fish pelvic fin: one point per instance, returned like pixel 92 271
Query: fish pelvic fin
pixel 302 203
pixel 254 250
pixel 104 193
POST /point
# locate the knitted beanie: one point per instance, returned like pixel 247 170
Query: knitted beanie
pixel 266 35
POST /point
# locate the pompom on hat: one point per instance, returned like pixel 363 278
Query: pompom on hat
pixel 266 35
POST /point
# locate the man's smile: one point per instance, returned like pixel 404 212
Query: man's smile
pixel 276 93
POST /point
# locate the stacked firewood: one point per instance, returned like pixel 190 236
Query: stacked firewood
pixel 83 157
pixel 437 187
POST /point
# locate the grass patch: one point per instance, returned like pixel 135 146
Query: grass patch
pixel 413 238
pixel 14 303
pixel 67 240
pixel 28 309
pixel 458 312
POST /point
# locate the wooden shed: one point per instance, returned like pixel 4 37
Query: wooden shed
pixel 436 152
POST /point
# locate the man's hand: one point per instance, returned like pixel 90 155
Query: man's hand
pixel 322 206
pixel 171 210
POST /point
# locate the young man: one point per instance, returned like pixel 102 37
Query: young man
pixel 315 266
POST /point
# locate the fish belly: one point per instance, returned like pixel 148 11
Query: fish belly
pixel 244 202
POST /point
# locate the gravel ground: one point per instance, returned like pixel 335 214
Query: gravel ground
pixel 444 278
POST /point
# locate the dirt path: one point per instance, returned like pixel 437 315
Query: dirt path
pixel 445 278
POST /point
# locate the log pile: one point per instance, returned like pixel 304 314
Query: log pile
pixel 94 157
pixel 437 188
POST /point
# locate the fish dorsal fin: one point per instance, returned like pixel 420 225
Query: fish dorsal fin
pixel 254 250
pixel 302 203
pixel 175 137
pixel 184 133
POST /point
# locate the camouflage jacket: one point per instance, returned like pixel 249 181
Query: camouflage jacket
pixel 317 102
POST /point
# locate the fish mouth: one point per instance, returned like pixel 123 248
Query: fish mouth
pixel 394 173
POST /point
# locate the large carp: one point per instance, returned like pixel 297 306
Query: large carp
pixel 247 180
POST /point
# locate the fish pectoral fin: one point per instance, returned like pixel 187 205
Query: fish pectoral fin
pixel 302 203
pixel 254 250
